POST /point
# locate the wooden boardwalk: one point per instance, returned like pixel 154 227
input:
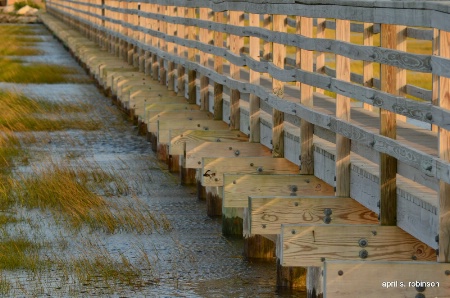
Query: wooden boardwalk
pixel 232 97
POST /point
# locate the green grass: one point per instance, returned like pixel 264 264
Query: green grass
pixel 15 71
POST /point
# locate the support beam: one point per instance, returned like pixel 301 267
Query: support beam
pixel 237 188
pixel 266 214
pixel 214 168
pixel 310 245
pixel 195 153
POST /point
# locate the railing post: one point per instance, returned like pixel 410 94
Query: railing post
pixel 181 51
pixel 444 154
pixel 368 65
pixel 342 112
pixel 254 79
pixel 192 88
pixel 204 37
pixel 392 37
pixel 320 57
pixel 162 45
pixel 155 27
pixel 236 45
pixel 306 98
pixel 218 67
pixel 279 55
pixel 171 11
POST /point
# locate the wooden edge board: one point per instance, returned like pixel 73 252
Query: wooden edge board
pixel 310 244
pixel 195 152
pixel 178 137
pixel 237 188
pixel 217 167
pixel 385 279
pixel 164 126
pixel 266 214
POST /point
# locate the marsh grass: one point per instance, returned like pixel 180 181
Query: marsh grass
pixel 20 253
pixel 5 286
pixel 19 41
pixel 71 193
pixel 15 71
pixel 20 114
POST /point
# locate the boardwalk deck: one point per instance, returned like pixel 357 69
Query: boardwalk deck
pixel 352 149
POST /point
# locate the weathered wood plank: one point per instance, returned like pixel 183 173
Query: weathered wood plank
pixel 278 56
pixel 306 98
pixel 342 112
pixel 178 137
pixel 267 214
pixel 368 79
pixel 391 82
pixel 237 188
pixel 181 51
pixel 254 53
pixel 165 125
pixel 307 245
pixel 218 67
pixel 444 154
pixel 236 44
pixel 195 153
pixel 213 169
pixel 191 35
pixel 389 279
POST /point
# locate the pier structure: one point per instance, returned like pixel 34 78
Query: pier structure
pixel 299 121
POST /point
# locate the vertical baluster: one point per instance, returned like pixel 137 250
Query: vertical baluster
pixel 219 17
pixel 236 45
pixel 254 79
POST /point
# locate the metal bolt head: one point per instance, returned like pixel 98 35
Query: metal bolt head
pixel 218 140
pixel 447 272
pixel 296 204
pixel 340 272
pixel 419 295
pixel 234 181
pixel 327 219
pixel 199 162
pixel 327 211
pixel 363 254
pixel 420 289
pixel 259 169
pixel 363 242
pixel 230 148
pixel 293 232
pixel 322 259
pixel 251 164
pixel 263 226
pixel 237 152
pixel 413 258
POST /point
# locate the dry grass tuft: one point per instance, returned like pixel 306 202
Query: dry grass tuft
pixel 20 113
pixel 19 253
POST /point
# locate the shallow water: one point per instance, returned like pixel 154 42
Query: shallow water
pixel 192 260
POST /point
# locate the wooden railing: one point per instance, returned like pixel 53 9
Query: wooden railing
pixel 268 60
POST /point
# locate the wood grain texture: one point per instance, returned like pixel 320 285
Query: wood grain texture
pixel 391 82
pixel 444 154
pixel 218 67
pixel 237 188
pixel 213 169
pixel 306 98
pixel 342 112
pixel 278 56
pixel 369 279
pixel 254 53
pixel 306 245
pixel 267 214
pixel 196 152
pixel 178 137
pixel 164 127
